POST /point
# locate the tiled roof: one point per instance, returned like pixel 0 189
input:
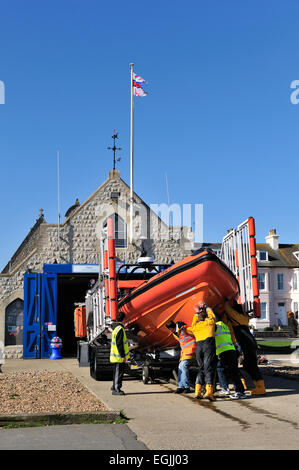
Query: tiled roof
pixel 282 258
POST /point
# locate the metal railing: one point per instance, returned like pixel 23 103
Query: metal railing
pixel 238 251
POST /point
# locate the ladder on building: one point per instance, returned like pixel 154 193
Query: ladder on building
pixel 238 251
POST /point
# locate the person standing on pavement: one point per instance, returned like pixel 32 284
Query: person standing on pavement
pixel 248 345
pixel 292 323
pixel 226 353
pixel 119 353
pixel 203 328
pixel 188 348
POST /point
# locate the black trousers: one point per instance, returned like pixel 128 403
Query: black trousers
pixel 248 345
pixel 206 360
pixel 118 373
pixel 229 363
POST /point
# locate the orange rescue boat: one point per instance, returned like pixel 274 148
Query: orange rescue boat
pixel 172 295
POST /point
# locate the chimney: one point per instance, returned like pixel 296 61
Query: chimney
pixel 114 174
pixel 272 239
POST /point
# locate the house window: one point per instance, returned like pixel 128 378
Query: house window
pixel 14 323
pixel 295 283
pixel 262 255
pixel 262 283
pixel 263 310
pixel 120 231
pixel 296 254
pixel 280 281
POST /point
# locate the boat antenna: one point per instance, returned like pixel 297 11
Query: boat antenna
pixel 114 148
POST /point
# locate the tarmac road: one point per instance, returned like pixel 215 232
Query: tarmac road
pixel 71 437
pixel 162 420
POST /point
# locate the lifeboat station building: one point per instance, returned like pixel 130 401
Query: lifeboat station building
pixel 55 265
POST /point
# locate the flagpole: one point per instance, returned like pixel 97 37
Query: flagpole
pixel 131 159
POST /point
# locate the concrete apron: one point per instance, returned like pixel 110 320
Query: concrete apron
pixel 163 420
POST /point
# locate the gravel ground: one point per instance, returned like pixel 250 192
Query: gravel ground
pixel 42 391
pixel 286 372
pixel 32 391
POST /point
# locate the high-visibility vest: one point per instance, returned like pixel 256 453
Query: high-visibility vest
pixel 114 352
pixel 187 344
pixel 223 338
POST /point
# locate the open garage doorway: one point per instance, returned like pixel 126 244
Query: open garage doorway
pixel 71 289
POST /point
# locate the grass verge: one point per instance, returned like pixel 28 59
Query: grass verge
pixel 275 344
pixel 21 421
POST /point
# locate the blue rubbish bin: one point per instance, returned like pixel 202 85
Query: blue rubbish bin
pixel 56 346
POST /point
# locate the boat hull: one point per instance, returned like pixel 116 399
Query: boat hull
pixel 172 295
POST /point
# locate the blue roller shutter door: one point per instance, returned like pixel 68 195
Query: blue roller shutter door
pixel 32 312
pixel 40 314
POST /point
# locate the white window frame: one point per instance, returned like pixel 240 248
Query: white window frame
pixel 296 254
pixel 120 242
pixel 266 310
pixel 282 278
pixel 264 281
pixel 295 284
pixel 259 256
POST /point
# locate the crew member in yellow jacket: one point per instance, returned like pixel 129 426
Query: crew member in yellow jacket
pixel 119 353
pixel 203 328
pixel 248 345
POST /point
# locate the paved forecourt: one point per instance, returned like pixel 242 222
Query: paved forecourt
pixel 162 420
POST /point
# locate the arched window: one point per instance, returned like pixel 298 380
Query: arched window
pixel 120 229
pixel 14 323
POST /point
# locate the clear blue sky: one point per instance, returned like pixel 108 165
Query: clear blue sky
pixel 218 117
